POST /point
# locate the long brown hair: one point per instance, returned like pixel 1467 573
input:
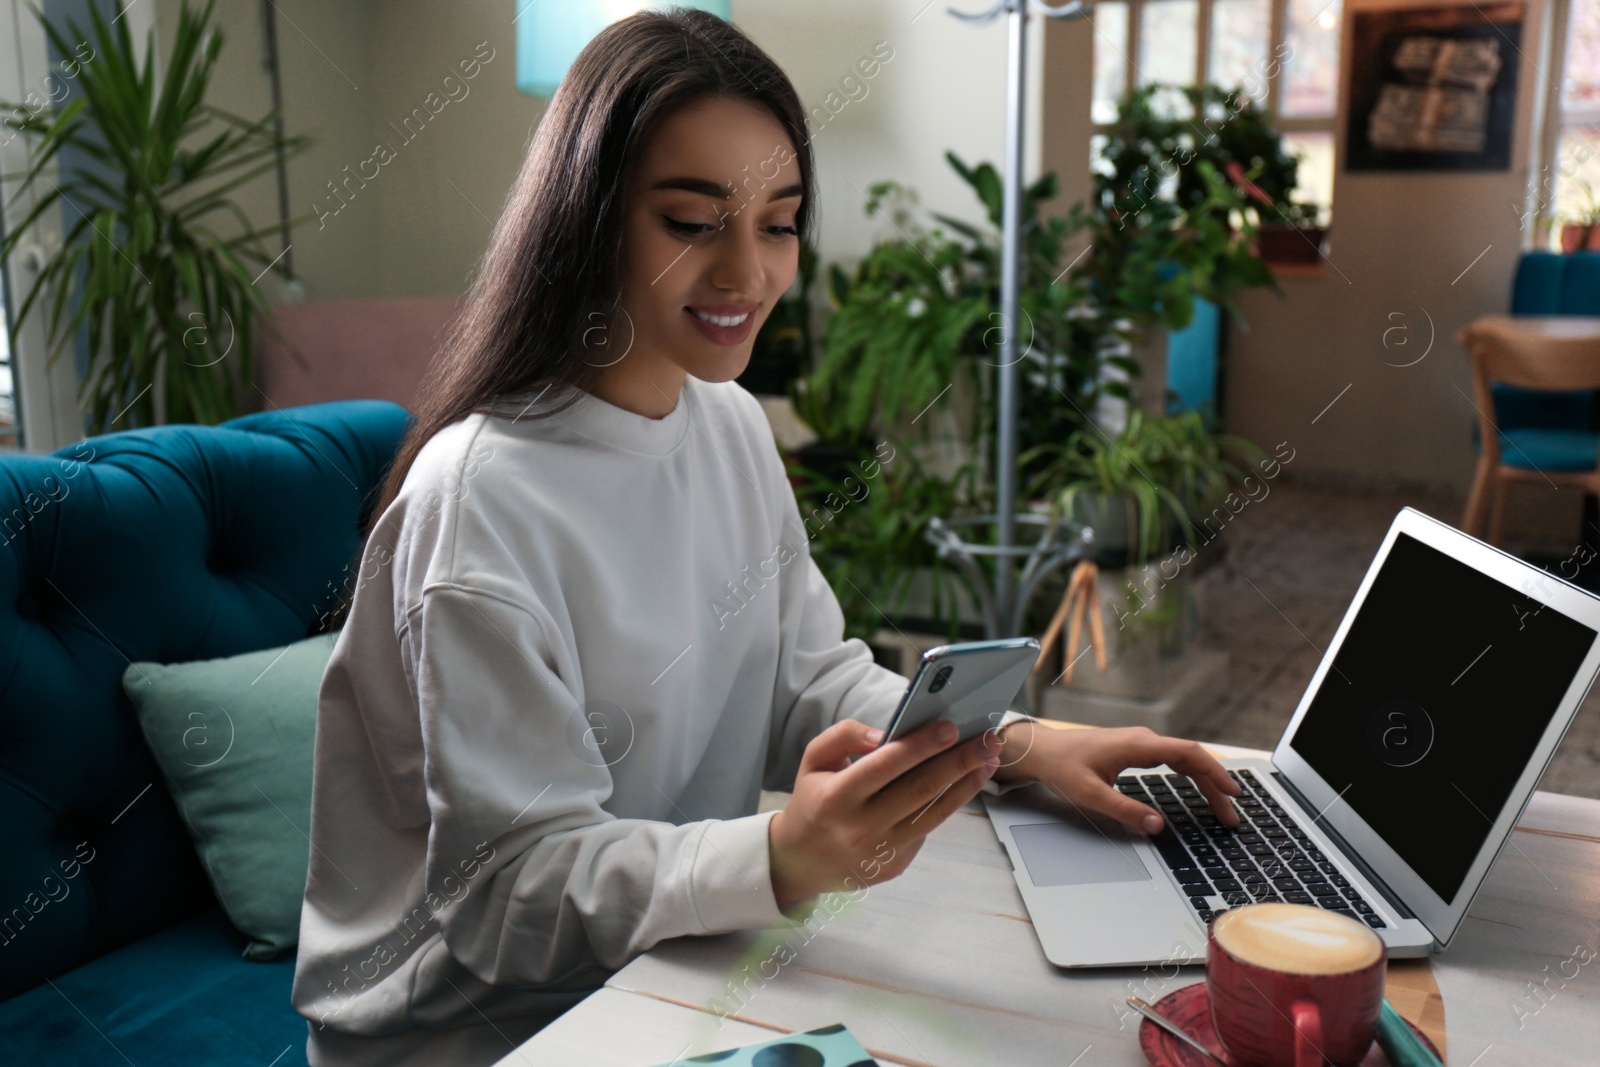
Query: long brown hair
pixel 554 256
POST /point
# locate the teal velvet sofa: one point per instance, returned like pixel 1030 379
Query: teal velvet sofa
pixel 168 544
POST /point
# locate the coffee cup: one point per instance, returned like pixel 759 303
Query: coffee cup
pixel 1294 986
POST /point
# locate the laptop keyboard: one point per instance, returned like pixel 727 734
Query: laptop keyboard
pixel 1267 857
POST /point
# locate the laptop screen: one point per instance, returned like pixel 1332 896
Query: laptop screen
pixel 1435 702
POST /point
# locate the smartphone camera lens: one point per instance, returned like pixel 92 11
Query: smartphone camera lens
pixel 941 678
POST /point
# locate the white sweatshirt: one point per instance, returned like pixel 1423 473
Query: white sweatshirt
pixel 578 649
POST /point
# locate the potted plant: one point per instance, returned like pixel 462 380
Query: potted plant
pixel 1295 238
pixel 1583 233
pixel 1139 489
pixel 903 320
pixel 913 323
pixel 919 314
pixel 1154 145
pixel 1170 220
pixel 166 299
pixel 1141 492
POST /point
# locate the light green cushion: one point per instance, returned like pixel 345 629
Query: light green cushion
pixel 234 740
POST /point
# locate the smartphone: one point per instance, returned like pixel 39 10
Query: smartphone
pixel 970 684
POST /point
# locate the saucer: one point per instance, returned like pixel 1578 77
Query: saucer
pixel 1190 1008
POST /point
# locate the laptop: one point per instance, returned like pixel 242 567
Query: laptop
pixel 1423 732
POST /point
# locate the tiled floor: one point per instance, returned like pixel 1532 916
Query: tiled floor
pixel 1292 563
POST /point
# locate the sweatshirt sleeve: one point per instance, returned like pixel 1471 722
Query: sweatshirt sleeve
pixel 993 787
pixel 822 677
pixel 566 890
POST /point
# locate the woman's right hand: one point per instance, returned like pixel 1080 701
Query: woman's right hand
pixel 851 824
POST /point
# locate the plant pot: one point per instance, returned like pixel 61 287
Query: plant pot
pixel 1580 237
pixel 1108 515
pixel 1150 618
pixel 1290 245
pixel 1113 518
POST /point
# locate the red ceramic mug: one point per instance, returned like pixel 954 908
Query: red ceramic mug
pixel 1294 986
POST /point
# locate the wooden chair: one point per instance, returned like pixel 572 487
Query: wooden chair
pixel 1554 353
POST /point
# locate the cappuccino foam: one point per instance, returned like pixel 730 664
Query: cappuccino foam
pixel 1296 938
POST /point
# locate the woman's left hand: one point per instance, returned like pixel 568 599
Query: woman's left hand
pixel 1082 766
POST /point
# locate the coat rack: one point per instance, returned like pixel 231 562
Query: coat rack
pixel 1005 608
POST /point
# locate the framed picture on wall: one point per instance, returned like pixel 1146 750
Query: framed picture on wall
pixel 1433 88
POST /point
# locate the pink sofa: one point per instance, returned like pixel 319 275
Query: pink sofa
pixel 351 349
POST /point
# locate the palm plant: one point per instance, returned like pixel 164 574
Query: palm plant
pixel 141 265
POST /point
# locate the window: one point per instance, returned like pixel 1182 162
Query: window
pixel 1232 43
pixel 1567 185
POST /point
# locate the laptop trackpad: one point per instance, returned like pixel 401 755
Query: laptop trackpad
pixel 1060 853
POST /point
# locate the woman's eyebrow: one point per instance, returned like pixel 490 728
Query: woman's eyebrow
pixel 707 187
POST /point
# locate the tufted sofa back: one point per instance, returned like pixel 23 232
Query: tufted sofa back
pixel 172 543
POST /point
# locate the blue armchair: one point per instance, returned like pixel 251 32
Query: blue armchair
pixel 170 544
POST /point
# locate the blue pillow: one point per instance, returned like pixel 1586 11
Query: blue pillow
pixel 234 738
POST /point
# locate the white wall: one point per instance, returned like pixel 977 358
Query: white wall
pixel 328 85
pixel 436 203
pixel 349 70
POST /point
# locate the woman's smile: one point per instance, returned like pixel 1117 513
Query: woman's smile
pixel 726 324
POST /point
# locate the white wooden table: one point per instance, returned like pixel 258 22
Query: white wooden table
pixel 940 966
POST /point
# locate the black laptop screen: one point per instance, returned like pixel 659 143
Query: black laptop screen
pixel 1434 704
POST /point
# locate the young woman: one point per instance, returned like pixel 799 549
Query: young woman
pixel 588 629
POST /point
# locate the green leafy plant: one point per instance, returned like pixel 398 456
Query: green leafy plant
pixel 1590 214
pixel 1144 484
pixel 1172 200
pixel 1164 136
pixel 916 318
pixel 923 307
pixel 920 312
pixel 1066 339
pixel 142 266
pixel 900 322
pixel 815 405
pixel 1577 231
pixel 867 539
